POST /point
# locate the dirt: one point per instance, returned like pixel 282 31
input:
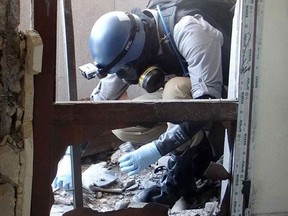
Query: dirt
pixel 125 188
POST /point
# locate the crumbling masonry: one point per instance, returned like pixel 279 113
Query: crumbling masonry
pixel 17 68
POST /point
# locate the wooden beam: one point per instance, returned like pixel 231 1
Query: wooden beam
pixel 72 89
pixel 136 112
pixel 79 122
pixel 44 166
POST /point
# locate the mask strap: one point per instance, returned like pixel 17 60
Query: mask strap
pixel 168 35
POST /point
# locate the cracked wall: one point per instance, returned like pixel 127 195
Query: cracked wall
pixel 16 111
pixel 11 109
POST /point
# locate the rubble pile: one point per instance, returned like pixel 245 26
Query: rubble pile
pixel 105 188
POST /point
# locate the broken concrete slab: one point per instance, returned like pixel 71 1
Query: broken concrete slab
pixel 98 175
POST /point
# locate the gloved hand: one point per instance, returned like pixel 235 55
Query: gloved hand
pixel 136 161
pixel 63 177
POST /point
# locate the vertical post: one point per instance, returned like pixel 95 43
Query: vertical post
pixel 72 87
pixel 248 77
pixel 45 20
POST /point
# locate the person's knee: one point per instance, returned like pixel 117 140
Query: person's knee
pixel 140 135
pixel 178 88
pixel 150 96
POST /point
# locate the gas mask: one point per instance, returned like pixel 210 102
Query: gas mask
pixel 151 79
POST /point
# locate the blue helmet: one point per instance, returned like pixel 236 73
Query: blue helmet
pixel 116 39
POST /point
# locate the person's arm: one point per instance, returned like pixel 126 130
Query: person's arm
pixel 200 45
pixel 136 161
pixel 109 88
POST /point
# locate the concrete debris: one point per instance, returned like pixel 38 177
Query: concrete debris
pixel 115 156
pixel 110 190
pixel 179 205
pixel 128 183
pixel 132 187
pixel 210 209
pixel 123 204
pixel 105 190
pixel 97 175
pixel 57 210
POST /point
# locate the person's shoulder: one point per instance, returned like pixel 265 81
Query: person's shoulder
pixel 188 20
pixel 186 23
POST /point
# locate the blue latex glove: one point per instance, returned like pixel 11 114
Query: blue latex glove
pixel 63 177
pixel 136 161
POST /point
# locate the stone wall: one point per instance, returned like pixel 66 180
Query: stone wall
pixel 11 109
pixel 16 110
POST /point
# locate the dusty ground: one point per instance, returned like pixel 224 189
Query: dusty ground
pixel 124 189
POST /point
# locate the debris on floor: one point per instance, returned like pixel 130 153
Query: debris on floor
pixel 98 175
pixel 107 189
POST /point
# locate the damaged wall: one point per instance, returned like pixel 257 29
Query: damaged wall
pixel 17 68
pixel 11 109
